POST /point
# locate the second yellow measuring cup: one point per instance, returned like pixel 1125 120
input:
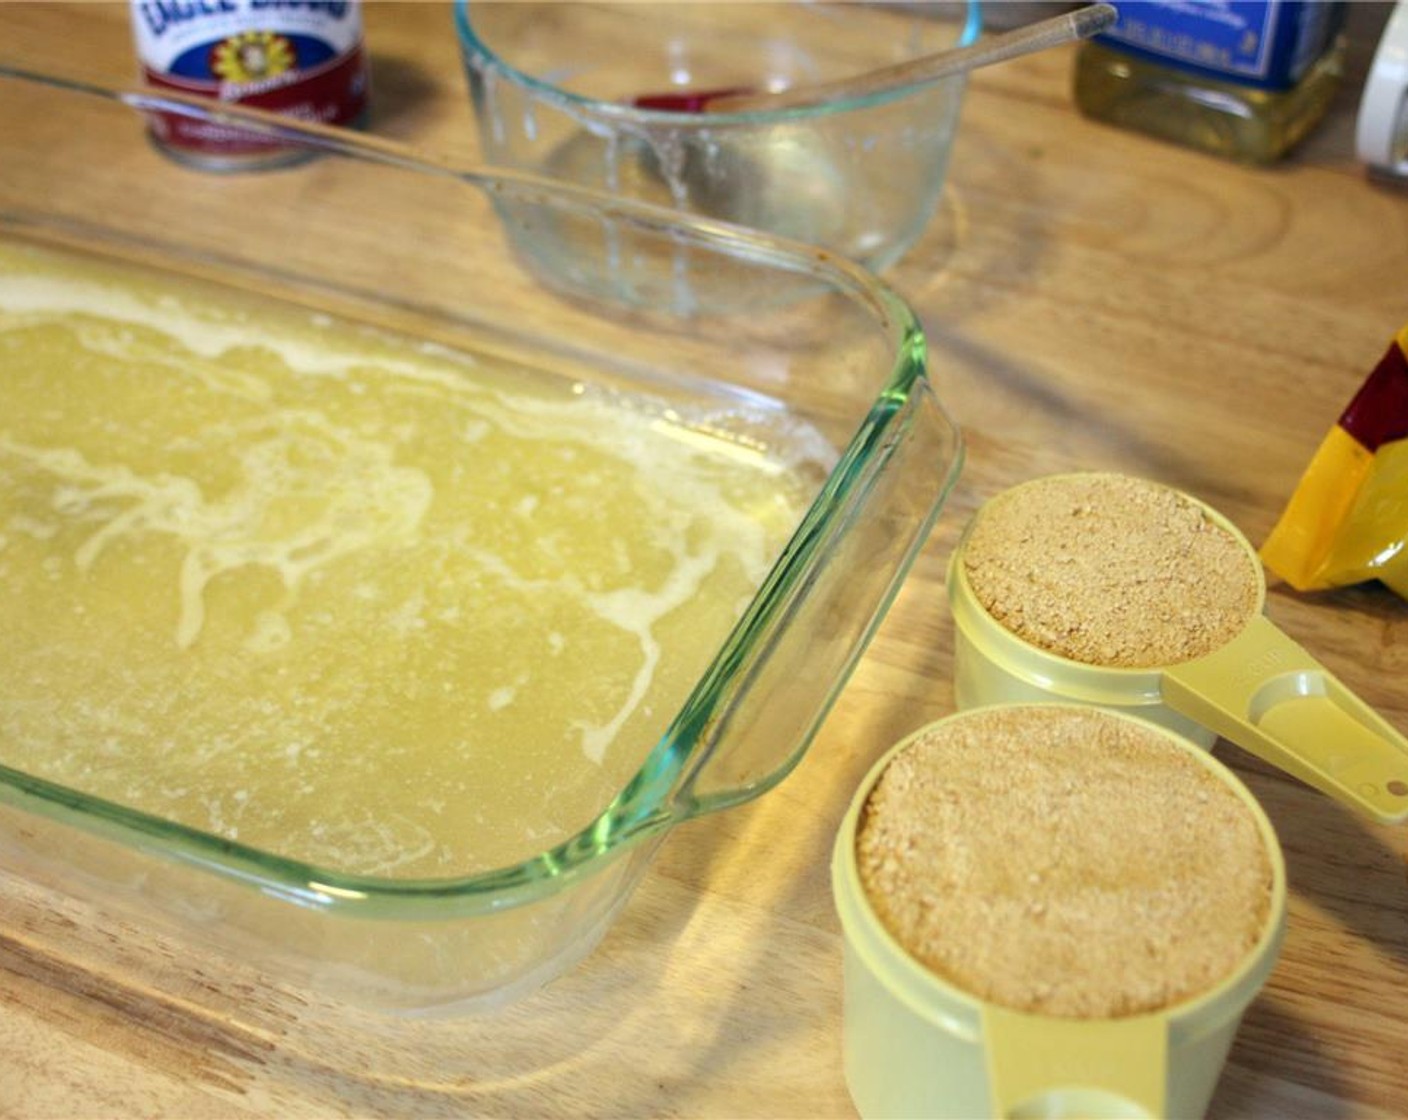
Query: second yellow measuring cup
pixel 1258 689
pixel 916 1043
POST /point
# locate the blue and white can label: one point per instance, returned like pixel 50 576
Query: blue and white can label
pixel 300 58
pixel 1264 43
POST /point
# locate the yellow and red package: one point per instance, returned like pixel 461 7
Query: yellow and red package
pixel 1347 521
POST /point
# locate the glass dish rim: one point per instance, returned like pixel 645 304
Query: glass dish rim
pixel 649 802
pixel 477 53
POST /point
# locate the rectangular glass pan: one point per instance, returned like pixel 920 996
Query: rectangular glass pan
pixel 405 261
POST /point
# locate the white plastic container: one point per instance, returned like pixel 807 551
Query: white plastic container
pixel 1381 130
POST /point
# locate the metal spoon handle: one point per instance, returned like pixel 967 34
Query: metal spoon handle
pixel 1078 24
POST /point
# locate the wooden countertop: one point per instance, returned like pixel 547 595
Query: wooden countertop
pixel 1095 300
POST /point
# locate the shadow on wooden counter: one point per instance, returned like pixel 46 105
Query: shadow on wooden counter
pixel 1331 1020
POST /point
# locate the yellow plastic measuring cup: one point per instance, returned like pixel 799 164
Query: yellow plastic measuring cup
pixel 916 1045
pixel 1260 690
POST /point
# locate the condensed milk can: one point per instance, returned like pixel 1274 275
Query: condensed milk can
pixel 300 58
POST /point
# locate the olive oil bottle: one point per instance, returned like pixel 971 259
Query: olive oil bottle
pixel 1246 81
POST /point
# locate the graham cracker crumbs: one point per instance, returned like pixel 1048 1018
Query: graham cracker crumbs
pixel 1110 570
pixel 1063 862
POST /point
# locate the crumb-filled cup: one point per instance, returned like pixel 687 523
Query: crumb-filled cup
pixel 916 1043
pixel 1229 671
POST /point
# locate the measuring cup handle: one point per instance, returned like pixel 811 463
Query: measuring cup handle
pixel 1265 693
pixel 1041 1067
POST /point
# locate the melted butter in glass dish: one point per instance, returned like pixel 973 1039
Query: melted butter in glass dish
pixel 358 601
pixel 378 596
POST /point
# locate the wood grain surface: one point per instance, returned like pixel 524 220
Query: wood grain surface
pixel 1094 299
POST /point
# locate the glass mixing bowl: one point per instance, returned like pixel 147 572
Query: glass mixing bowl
pixel 373 238
pixel 556 91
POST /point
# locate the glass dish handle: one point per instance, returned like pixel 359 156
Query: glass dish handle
pixel 842 578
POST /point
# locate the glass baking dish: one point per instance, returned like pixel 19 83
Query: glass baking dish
pixel 370 237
